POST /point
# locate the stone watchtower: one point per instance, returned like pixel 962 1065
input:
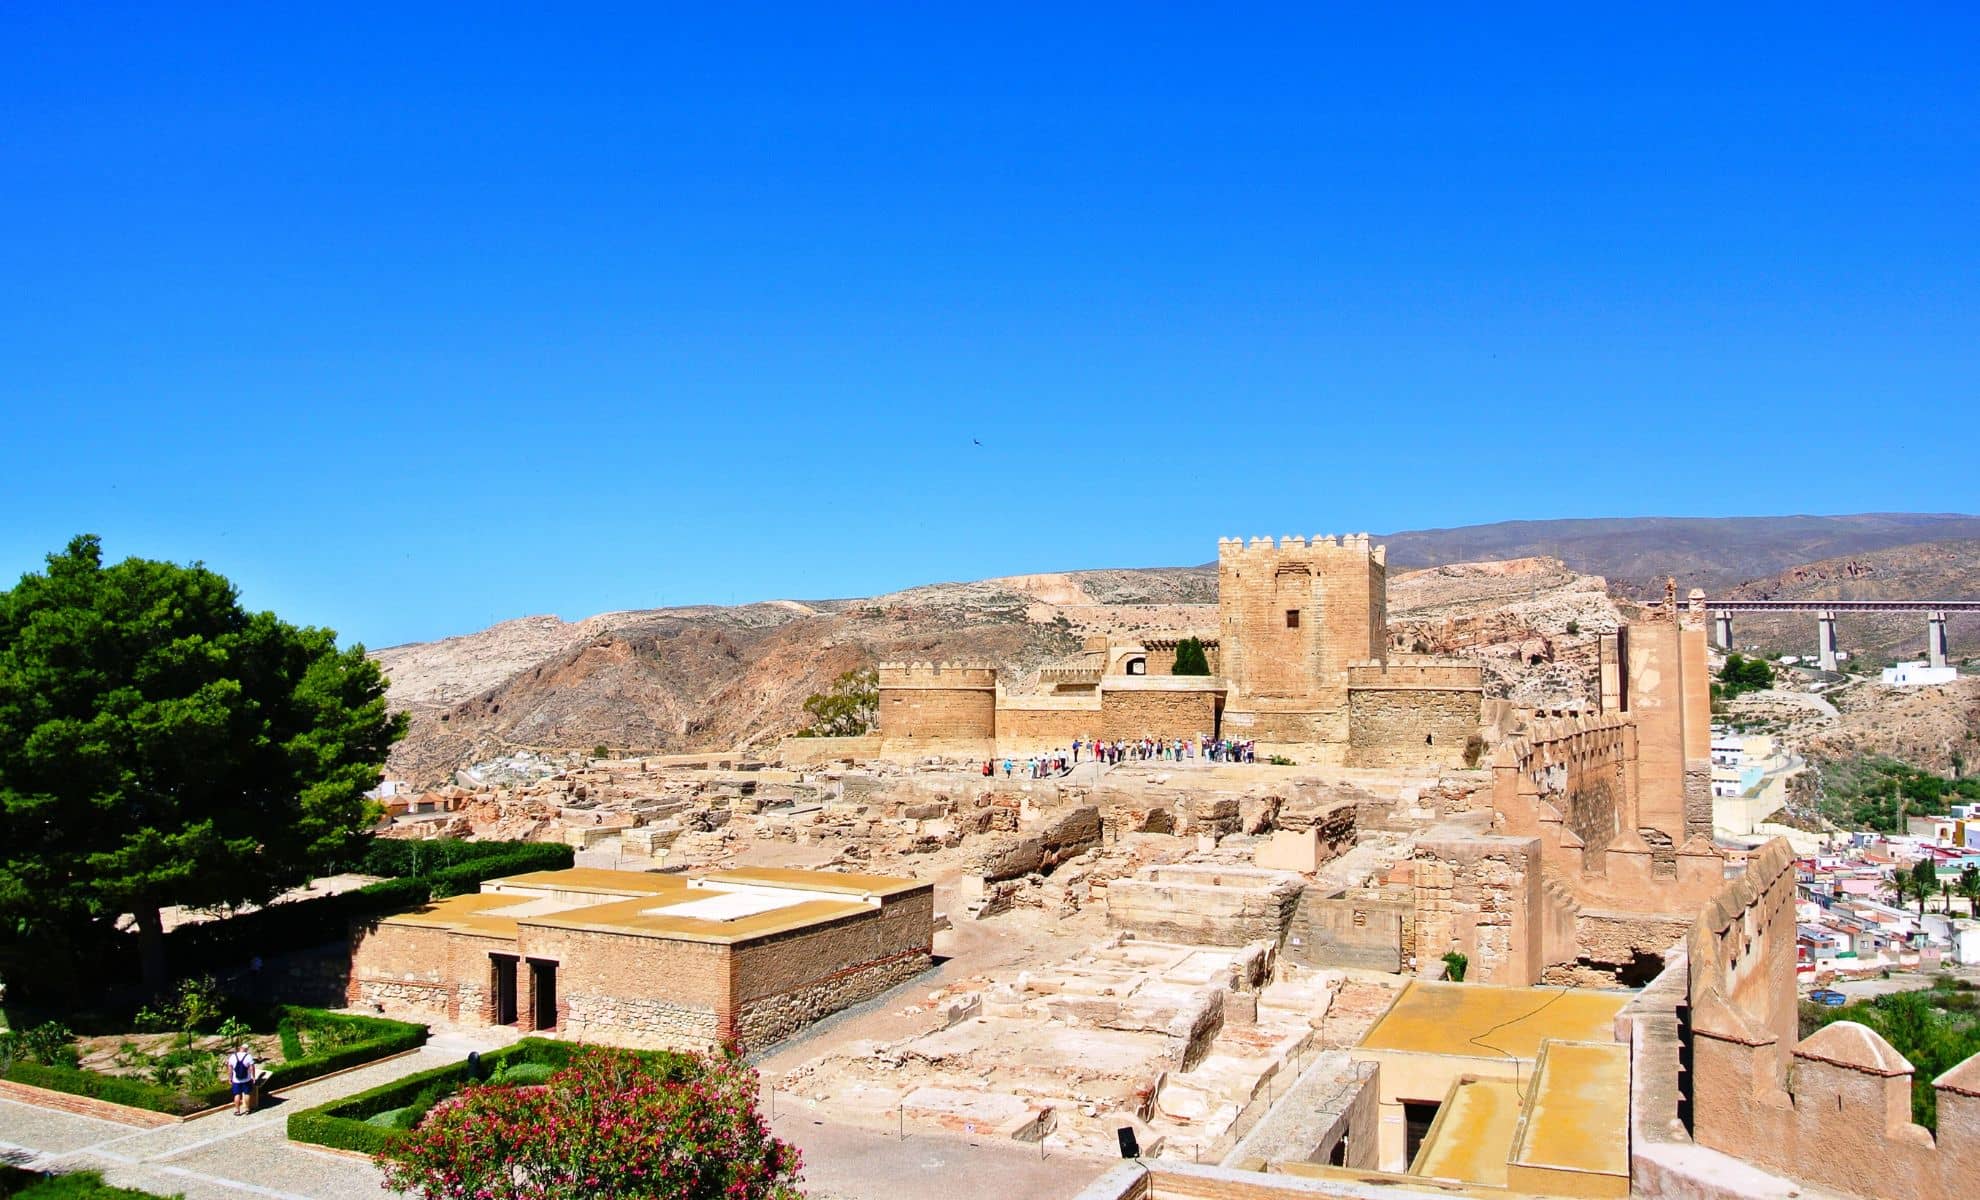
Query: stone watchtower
pixel 1292 617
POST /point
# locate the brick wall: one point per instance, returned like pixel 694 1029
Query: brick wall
pixel 783 982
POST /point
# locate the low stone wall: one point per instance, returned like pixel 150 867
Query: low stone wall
pixel 1339 931
pixel 1205 906
pixel 640 1021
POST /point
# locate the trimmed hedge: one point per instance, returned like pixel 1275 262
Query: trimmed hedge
pixel 407 858
pixel 468 876
pixel 421 871
pixel 381 1038
pixel 16 1184
pixel 341 1124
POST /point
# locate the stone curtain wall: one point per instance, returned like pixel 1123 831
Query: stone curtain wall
pixel 1158 713
pixel 1834 1110
pixel 1413 711
pixel 1290 684
pixel 937 702
pixel 425 973
pixel 1670 699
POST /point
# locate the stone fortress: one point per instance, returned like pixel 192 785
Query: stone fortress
pixel 1300 661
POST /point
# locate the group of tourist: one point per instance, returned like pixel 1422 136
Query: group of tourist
pixel 1114 752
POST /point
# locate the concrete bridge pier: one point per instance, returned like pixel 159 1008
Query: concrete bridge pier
pixel 1935 638
pixel 1825 638
pixel 1722 630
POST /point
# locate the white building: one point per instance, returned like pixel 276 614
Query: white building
pixel 1918 674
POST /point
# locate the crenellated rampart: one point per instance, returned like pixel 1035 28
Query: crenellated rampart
pixel 1832 1110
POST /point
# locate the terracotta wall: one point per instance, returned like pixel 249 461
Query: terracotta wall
pixel 1833 1110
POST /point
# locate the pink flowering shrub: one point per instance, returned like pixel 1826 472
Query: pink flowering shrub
pixel 607 1125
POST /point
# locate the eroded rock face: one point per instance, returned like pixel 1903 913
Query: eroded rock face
pixel 1038 847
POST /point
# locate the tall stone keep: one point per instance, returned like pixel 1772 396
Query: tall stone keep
pixel 1293 616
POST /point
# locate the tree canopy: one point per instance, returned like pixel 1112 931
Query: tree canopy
pixel 1741 674
pixel 1191 658
pixel 161 745
pixel 847 709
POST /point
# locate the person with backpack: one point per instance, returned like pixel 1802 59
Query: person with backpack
pixel 240 1074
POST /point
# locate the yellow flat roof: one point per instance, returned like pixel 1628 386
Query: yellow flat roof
pixel 638 916
pixel 1473 1133
pixel 465 913
pixel 635 902
pixel 843 882
pixel 597 879
pixel 1577 1116
pixel 1480 1020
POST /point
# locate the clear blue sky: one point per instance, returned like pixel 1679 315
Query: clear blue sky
pixel 413 320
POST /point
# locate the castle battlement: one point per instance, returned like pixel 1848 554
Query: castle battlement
pixel 938 674
pixel 1417 671
pixel 1296 544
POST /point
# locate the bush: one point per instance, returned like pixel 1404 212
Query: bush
pixel 468 876
pixel 347 1124
pixel 16 1184
pixel 178 1091
pixel 701 1141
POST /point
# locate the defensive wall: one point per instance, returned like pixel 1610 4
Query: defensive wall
pixel 1833 1109
pixel 1414 710
pixel 1299 658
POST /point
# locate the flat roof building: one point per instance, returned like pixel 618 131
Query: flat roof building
pixel 744 956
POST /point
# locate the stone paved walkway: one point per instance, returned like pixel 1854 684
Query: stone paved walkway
pixel 220 1157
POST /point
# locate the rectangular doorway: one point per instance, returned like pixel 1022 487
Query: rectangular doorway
pixel 543 994
pixel 1417 1117
pixel 503 985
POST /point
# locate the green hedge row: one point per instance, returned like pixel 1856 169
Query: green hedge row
pixel 380 1037
pixel 421 870
pixel 406 858
pixel 531 856
pixel 341 1124
pixel 16 1184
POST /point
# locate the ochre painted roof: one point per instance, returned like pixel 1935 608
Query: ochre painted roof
pixel 467 914
pixel 1472 1134
pixel 635 902
pixel 1577 1111
pixel 840 882
pixel 598 879
pixel 639 916
pixel 1479 1020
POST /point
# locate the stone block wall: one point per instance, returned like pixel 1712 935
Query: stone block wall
pixel 1205 905
pixel 1342 931
pixel 1181 711
pixel 937 702
pixel 1413 711
pixel 1481 897
pixel 784 982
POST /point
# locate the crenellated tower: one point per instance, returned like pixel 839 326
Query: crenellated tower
pixel 1293 616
